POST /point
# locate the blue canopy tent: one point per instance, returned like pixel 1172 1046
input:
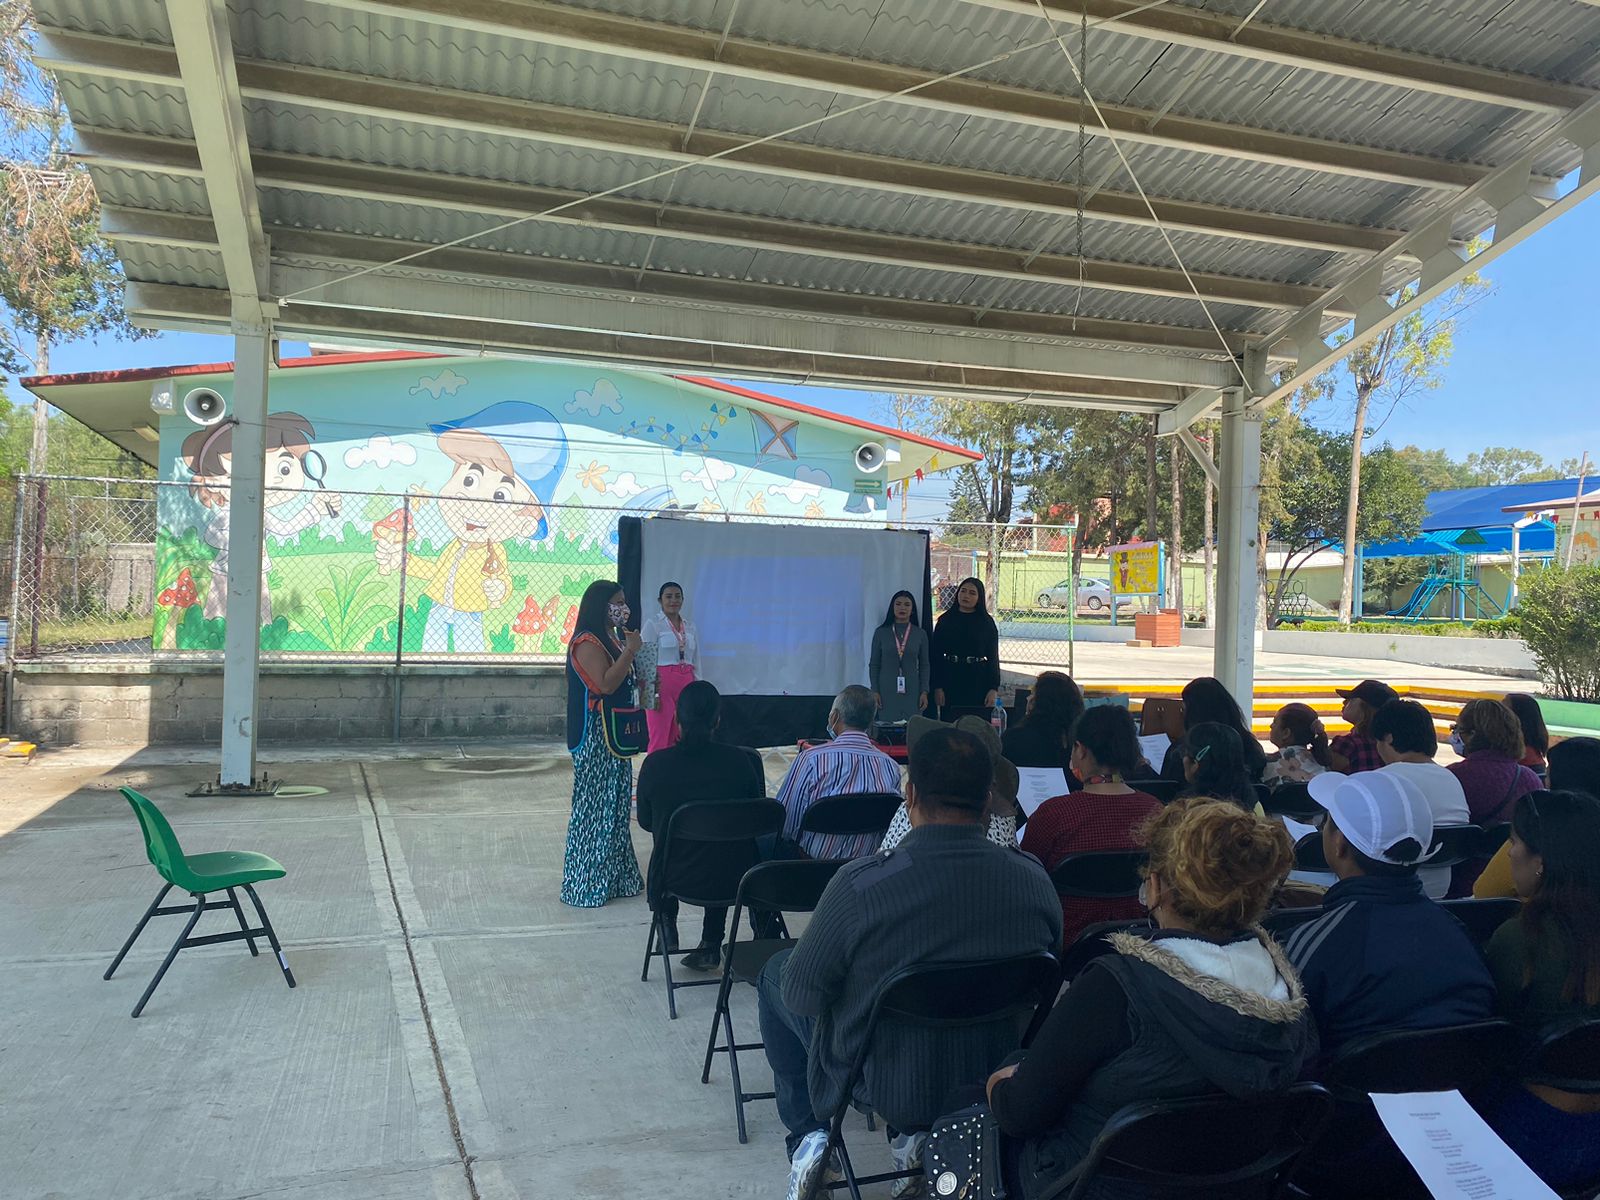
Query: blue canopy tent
pixel 1466 523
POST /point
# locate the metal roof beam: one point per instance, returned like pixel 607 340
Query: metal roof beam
pixel 674 45
pixel 206 310
pixel 1523 204
pixel 203 53
pixel 1183 25
pixel 669 143
pixel 938 330
pixel 390 185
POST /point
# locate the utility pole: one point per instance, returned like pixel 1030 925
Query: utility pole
pixel 39 456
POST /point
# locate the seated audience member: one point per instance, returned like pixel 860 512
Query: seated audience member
pixel 1574 767
pixel 1206 1005
pixel 1403 730
pixel 1489 738
pixel 1382 956
pixel 1001 809
pixel 1535 737
pixel 696 768
pixel 945 894
pixel 1546 965
pixel 1356 751
pixel 1206 700
pixel 1214 766
pixel 851 762
pixel 1102 816
pixel 1043 738
pixel 1302 745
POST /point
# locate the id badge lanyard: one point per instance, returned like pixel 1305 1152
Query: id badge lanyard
pixel 900 653
pixel 682 634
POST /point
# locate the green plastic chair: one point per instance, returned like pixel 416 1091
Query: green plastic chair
pixel 200 875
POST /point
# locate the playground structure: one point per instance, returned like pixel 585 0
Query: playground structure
pixel 1453 575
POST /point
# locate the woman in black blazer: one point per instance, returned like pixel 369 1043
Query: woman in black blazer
pixel 695 768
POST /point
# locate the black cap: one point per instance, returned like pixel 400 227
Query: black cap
pixel 1373 691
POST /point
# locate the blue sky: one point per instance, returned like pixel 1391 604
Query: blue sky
pixel 1522 373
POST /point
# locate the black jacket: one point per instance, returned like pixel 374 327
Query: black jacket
pixel 682 774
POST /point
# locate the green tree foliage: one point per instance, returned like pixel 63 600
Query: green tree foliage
pixel 1559 615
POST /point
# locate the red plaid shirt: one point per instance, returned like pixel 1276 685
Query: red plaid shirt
pixel 1081 821
pixel 1360 749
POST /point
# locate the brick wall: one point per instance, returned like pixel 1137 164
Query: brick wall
pixel 158 705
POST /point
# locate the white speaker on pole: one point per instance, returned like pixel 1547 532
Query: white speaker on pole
pixel 205 406
pixel 870 457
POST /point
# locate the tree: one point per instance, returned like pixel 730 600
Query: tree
pixel 59 278
pixel 1304 497
pixel 1408 357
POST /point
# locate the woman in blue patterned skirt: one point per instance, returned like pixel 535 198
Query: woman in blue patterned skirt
pixel 600 864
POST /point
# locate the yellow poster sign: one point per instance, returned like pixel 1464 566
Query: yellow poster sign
pixel 1136 569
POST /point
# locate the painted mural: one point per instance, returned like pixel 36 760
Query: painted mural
pixel 484 492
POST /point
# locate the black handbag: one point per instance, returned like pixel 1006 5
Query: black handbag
pixel 961 1160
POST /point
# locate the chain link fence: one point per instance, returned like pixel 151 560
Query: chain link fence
pixel 112 569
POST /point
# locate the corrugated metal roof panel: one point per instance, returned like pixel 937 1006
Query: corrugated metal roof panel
pixel 173 264
pixel 146 189
pixel 130 107
pixel 143 20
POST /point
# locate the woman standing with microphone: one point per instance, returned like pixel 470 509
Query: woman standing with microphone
pixel 599 864
pixel 966 652
pixel 677 653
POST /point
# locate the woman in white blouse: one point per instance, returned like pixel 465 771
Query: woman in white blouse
pixel 677 648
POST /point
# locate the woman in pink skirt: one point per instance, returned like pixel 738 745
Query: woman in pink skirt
pixel 677 655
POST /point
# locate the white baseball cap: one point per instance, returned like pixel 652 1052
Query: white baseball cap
pixel 1376 811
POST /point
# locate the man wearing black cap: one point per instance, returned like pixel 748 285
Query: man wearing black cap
pixel 1357 750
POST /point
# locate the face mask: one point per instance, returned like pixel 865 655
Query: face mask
pixel 1457 744
pixel 618 613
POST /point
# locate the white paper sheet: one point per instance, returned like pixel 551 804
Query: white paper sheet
pixel 1457 1155
pixel 1154 747
pixel 1035 785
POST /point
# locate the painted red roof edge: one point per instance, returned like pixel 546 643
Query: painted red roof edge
pixel 136 374
pixel 796 406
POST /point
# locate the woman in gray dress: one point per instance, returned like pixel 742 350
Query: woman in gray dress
pixel 899 668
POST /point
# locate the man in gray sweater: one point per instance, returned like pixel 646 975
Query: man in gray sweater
pixel 944 894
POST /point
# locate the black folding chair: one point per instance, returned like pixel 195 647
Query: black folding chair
pixel 734 825
pixel 1454 844
pixel 1355 1156
pixel 1093 942
pixel 1491 838
pixel 1206 1148
pixel 851 814
pixel 1164 790
pixel 1292 800
pixel 942 997
pixel 1308 855
pixel 779 887
pixel 1100 874
pixel 1482 917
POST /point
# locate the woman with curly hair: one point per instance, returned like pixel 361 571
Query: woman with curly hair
pixel 1205 1004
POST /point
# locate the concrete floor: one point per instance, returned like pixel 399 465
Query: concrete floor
pixel 456 1033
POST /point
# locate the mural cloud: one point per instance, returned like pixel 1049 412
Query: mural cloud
pixel 808 484
pixel 626 486
pixel 381 451
pixel 602 398
pixel 712 473
pixel 445 383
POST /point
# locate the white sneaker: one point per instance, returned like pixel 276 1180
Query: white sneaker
pixel 906 1151
pixel 811 1166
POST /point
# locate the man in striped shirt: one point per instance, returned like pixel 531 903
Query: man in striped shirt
pixel 849 763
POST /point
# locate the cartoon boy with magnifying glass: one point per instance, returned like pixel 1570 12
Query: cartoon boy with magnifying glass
pixel 291 465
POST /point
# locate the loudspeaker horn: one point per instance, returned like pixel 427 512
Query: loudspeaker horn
pixel 870 457
pixel 204 406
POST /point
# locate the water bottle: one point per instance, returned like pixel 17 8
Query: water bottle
pixel 997 718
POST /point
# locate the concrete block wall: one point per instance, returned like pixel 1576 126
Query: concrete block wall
pixel 157 704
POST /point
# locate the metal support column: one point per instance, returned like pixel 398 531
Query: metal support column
pixel 1238 531
pixel 242 645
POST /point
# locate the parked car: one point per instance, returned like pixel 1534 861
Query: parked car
pixel 1093 594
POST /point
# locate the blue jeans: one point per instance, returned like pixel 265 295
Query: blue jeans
pixel 787 1036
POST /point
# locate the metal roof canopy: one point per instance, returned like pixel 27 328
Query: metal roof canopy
pixel 255 156
pixel 1126 204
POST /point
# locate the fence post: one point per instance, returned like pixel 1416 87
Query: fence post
pixel 400 620
pixel 41 494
